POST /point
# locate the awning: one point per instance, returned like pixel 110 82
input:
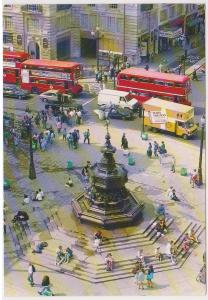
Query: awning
pixel 170 33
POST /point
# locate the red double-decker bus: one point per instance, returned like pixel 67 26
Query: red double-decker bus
pixel 40 75
pixel 12 62
pixel 146 84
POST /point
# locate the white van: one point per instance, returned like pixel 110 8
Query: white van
pixel 108 97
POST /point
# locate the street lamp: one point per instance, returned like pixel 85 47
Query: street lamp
pixel 96 34
pixel 32 173
pixel 201 149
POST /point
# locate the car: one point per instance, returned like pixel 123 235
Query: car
pixel 13 91
pixel 120 113
pixel 53 96
pixel 114 113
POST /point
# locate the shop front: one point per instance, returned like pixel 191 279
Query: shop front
pixel 169 37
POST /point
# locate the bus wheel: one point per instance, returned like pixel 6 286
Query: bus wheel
pixel 34 90
pixel 185 136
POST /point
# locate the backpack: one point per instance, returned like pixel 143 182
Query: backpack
pixel 33 269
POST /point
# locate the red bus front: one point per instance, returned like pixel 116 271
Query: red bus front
pixel 12 62
pixel 39 76
pixel 146 84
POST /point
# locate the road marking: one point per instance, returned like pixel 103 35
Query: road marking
pixel 88 101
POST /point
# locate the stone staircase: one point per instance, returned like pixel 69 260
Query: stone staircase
pixel 88 266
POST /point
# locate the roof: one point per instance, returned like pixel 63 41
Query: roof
pixel 17 54
pixel 114 92
pixel 50 63
pixel 154 74
pixel 168 105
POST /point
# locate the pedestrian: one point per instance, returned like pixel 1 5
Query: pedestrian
pixel 193 178
pixel 158 254
pixel 156 147
pixel 87 136
pixel 59 255
pixel 146 67
pixel 59 126
pixel 75 139
pixel 160 210
pixel 140 277
pixel 69 183
pixel 69 138
pixel 161 228
pixel 174 197
pixel 46 290
pixel 149 277
pixel 160 67
pixel 44 120
pixel 179 68
pixel 194 75
pixel 26 199
pixel 171 251
pixel 64 134
pixel 141 258
pixel 124 142
pixel 149 150
pixel 31 270
pixel 5 228
pixel 37 119
pixel 39 195
pixel 79 117
pixel 192 237
pixel 105 76
pixel 97 243
pixel 109 262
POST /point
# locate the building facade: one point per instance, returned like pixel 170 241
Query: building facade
pixel 44 31
pixel 135 31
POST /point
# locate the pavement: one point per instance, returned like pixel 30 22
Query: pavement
pixel 53 219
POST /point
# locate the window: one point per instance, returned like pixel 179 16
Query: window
pixel 111 23
pixel 8 23
pixel 179 9
pixel 34 7
pixel 91 5
pixel 8 6
pixel 145 7
pixel 113 5
pixel 172 12
pixel 143 80
pixel 93 22
pixel 163 15
pixel 169 83
pixel 158 82
pixel 63 6
pixel 119 27
pixel 181 124
pixel 33 24
pixel 7 37
pixel 84 21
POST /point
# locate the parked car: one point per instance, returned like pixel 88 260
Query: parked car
pixel 53 96
pixel 13 91
pixel 115 113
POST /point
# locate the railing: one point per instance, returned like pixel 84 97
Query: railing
pixel 32 8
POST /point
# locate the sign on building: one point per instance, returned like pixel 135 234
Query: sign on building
pixel 157 117
pixel 170 34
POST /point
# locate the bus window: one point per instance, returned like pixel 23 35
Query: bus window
pixel 143 80
pixel 42 81
pixel 158 82
pixel 178 84
pixel 169 83
pixel 59 83
pixel 134 78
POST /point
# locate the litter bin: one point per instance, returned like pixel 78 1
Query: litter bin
pixel 7 184
pixel 131 161
pixel 69 165
pixel 183 172
pixel 144 136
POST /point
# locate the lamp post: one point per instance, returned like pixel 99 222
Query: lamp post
pixel 96 34
pixel 201 150
pixel 32 173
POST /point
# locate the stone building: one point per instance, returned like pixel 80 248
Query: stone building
pixel 64 31
pixel 44 31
